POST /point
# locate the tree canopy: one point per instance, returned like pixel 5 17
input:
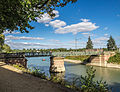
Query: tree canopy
pixel 2 38
pixel 6 48
pixel 111 45
pixel 89 44
pixel 17 14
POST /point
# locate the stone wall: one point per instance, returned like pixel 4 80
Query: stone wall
pixel 100 60
pixel 57 64
pixel 13 59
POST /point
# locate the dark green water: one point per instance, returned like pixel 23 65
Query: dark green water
pixel 110 75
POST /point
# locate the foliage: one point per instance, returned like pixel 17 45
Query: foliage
pixel 57 80
pixel 17 14
pixel 114 59
pixel 6 48
pixel 88 84
pixel 111 45
pixel 36 72
pixel 81 58
pixel 89 44
pixel 2 38
pixel 20 67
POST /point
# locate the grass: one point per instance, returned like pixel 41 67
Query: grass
pixel 81 58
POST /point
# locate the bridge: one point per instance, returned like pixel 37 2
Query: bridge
pixel 56 58
pixel 60 54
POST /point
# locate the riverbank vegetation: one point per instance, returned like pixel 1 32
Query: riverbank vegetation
pixel 81 58
pixel 115 59
pixel 81 83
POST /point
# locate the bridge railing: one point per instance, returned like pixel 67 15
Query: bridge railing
pixel 11 55
pixel 75 53
pixel 32 54
pixel 35 54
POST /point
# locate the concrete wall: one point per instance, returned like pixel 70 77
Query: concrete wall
pixel 57 64
pixel 100 60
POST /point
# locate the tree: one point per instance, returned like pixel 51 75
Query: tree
pixel 89 44
pixel 111 45
pixel 17 14
pixel 6 48
pixel 2 38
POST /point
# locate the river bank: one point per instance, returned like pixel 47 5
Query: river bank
pixel 14 80
pixel 73 61
pixel 109 65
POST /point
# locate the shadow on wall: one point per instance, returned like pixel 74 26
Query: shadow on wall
pixel 91 58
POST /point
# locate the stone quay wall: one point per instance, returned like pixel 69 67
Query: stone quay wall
pixel 12 58
pixel 100 60
pixel 57 64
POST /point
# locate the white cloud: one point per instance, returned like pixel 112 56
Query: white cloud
pixel 105 34
pixel 10 37
pixel 85 20
pixel 57 23
pixel 88 34
pixel 46 18
pixel 100 42
pixel 28 45
pixel 21 45
pixel 46 25
pixel 102 39
pixel 106 28
pixel 85 33
pixel 83 26
pixel 8 32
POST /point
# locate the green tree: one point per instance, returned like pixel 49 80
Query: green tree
pixel 89 44
pixel 111 45
pixel 17 14
pixel 2 38
pixel 6 48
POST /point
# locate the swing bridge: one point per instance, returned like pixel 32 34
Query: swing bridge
pixel 56 58
pixel 60 54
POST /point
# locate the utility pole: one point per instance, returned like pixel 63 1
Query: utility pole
pixel 76 42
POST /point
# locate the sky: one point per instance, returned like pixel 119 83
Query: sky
pixel 95 18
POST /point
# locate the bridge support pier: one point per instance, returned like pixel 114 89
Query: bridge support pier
pixel 57 64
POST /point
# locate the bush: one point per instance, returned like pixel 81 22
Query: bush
pixel 36 72
pixel 20 67
pixel 114 59
pixel 88 84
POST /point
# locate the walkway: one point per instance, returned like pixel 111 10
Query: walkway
pixel 13 80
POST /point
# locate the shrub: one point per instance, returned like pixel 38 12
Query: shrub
pixel 114 59
pixel 36 72
pixel 88 84
pixel 20 67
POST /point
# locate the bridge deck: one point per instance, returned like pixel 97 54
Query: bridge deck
pixel 41 54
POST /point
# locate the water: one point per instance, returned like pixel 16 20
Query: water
pixel 110 75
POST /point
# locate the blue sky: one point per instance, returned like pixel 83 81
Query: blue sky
pixel 96 18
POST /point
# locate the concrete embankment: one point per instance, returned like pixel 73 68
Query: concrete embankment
pixel 73 61
pixel 14 80
pixel 112 65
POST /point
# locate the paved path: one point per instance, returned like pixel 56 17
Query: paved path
pixel 13 80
